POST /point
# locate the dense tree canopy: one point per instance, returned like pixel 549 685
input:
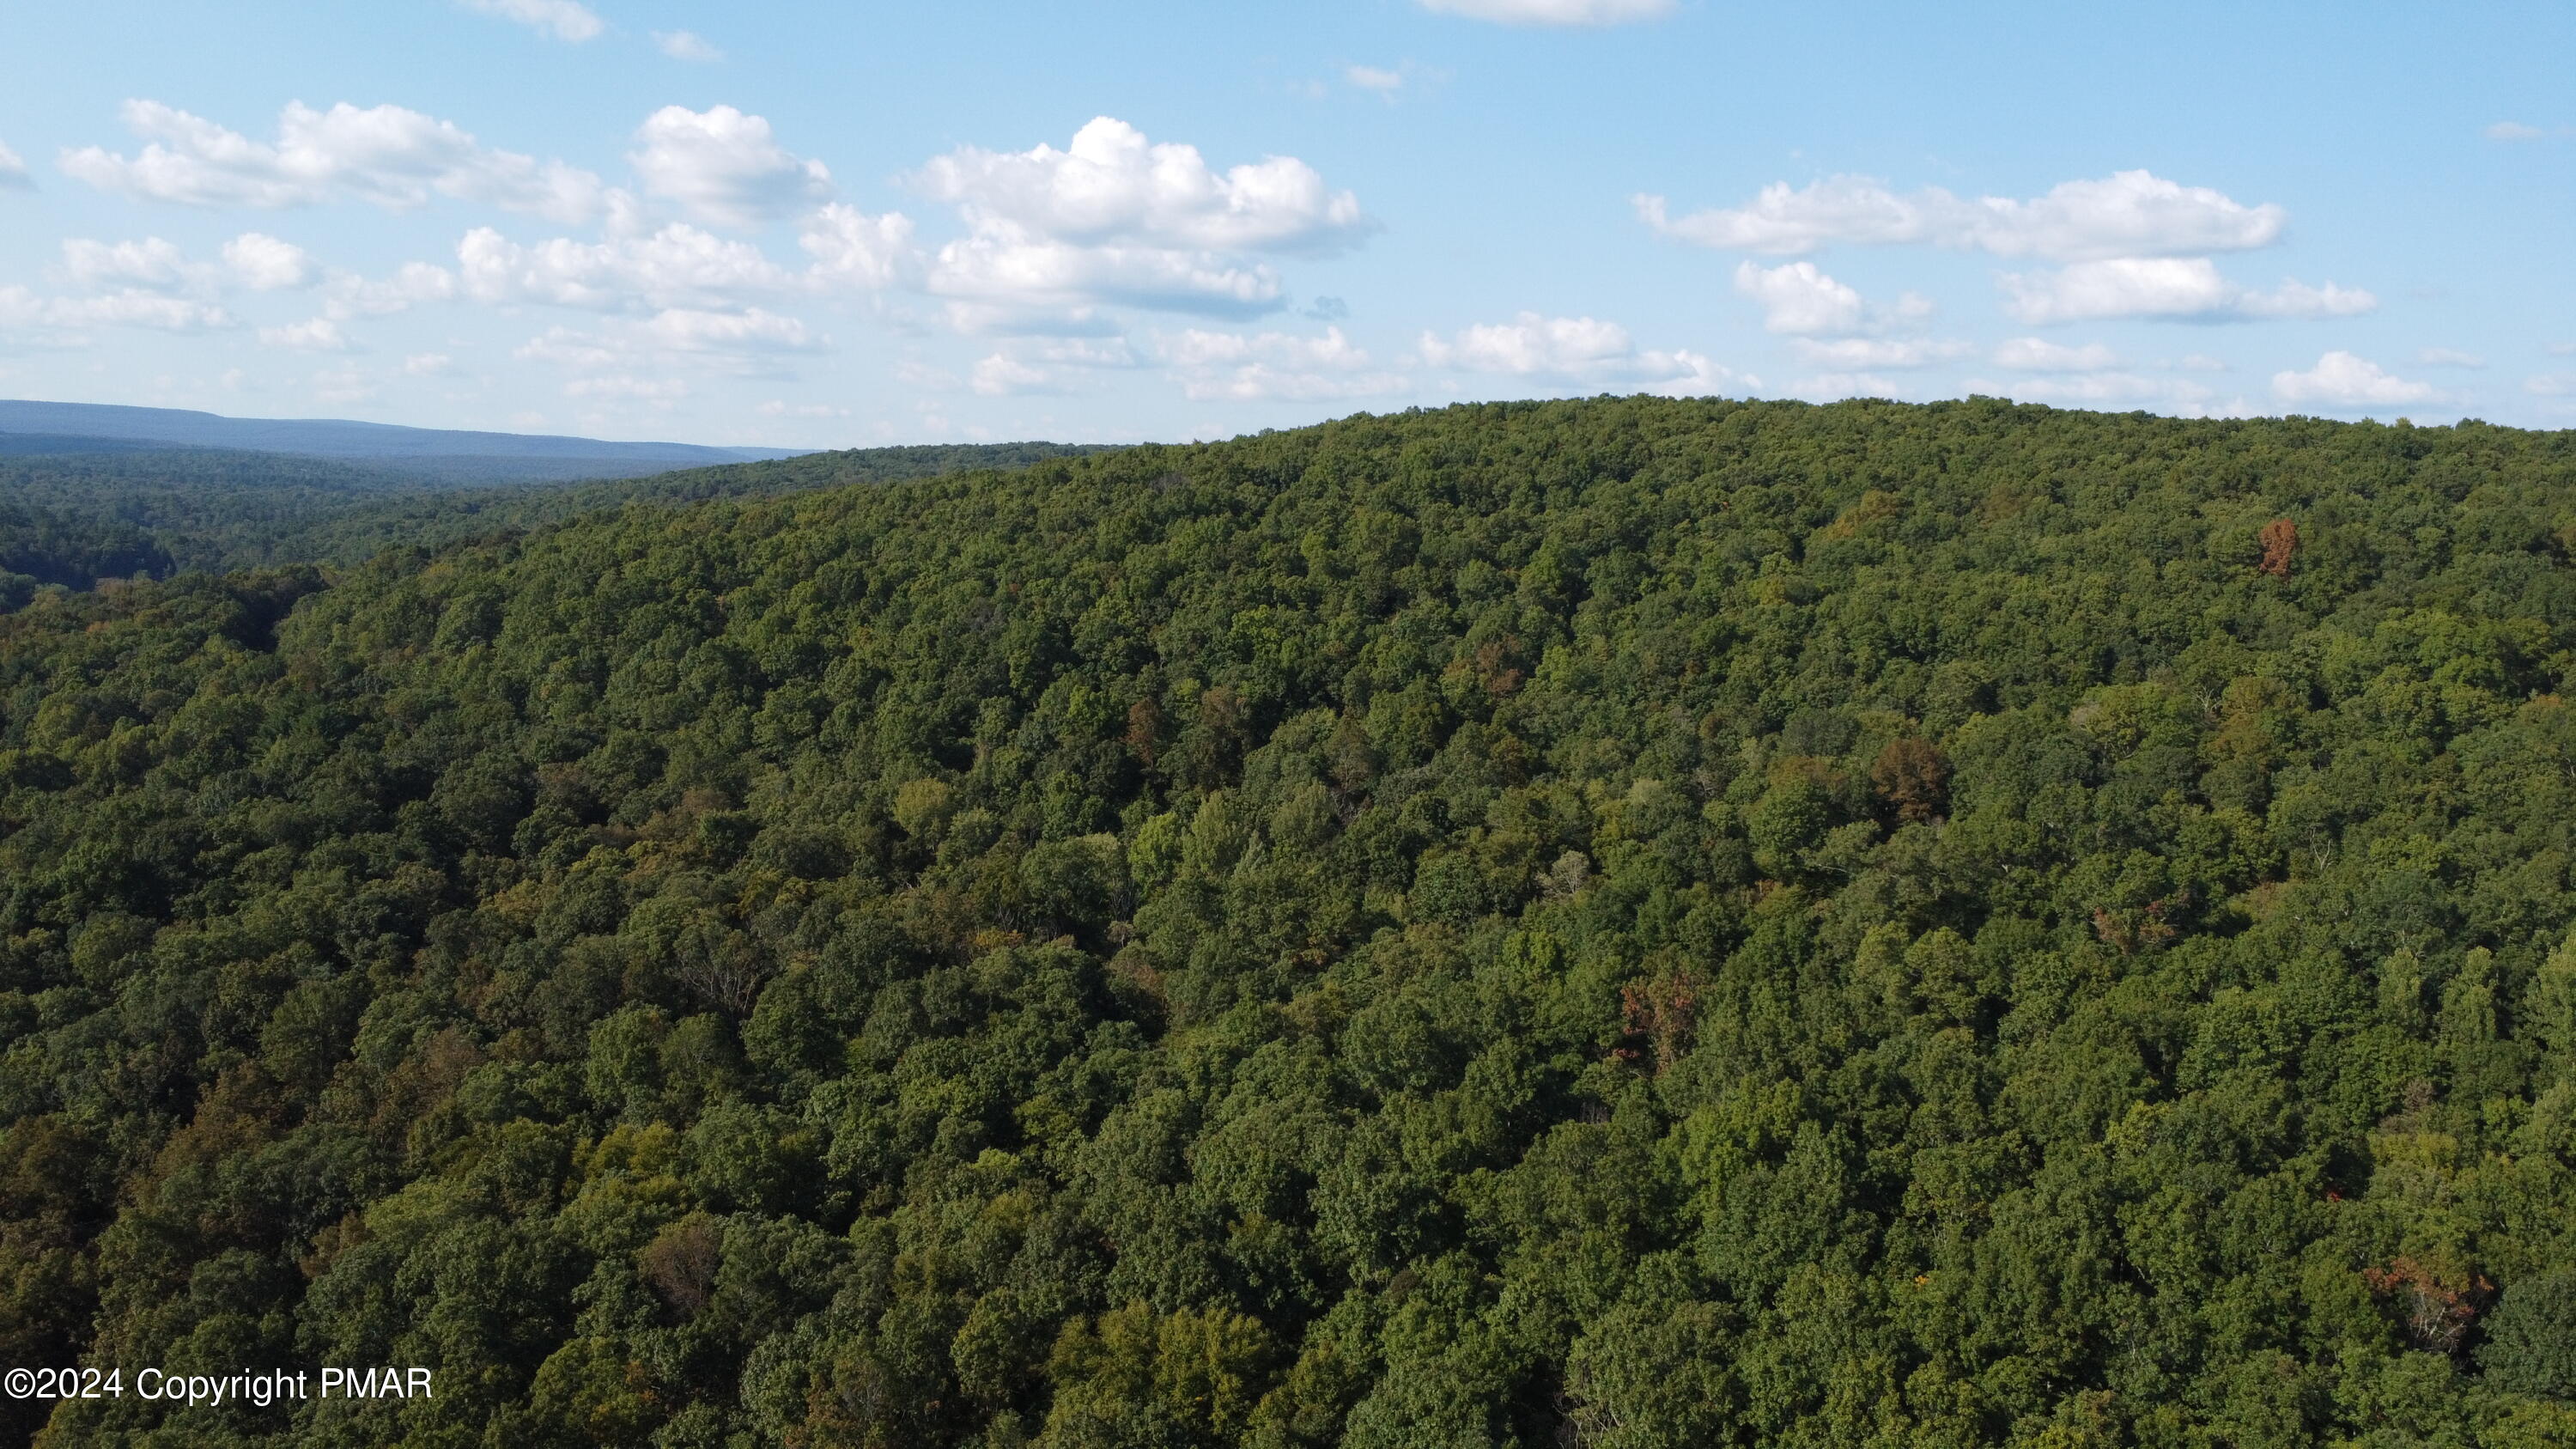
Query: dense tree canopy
pixel 1628 923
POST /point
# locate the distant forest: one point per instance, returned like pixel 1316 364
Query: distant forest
pixel 1629 923
pixel 76 510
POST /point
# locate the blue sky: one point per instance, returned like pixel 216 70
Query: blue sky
pixel 847 224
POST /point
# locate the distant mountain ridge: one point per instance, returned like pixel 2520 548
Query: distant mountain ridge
pixel 482 456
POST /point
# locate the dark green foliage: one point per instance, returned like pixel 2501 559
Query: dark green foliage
pixel 1623 923
pixel 2531 1339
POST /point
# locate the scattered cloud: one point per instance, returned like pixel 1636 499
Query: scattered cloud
pixel 264 263
pixel 1534 344
pixel 662 390
pixel 684 329
pixel 781 408
pixel 1113 186
pixel 411 285
pixel 2550 384
pixel 2165 287
pixel 386 155
pixel 563 19
pixel 342 385
pixel 2513 131
pixel 724 167
pixel 687 45
pixel 254 260
pixel 1554 12
pixel 1008 278
pixel 316 334
pixel 2341 380
pixel 2449 357
pixel 1002 375
pixel 564 347
pixel 1856 354
pixel 2296 299
pixel 753 340
pixel 912 372
pixel 680 265
pixel 2094 388
pixel 1800 300
pixel 429 364
pixel 853 249
pixel 2031 354
pixel 1581 350
pixel 1024 366
pixel 131 307
pixel 1276 367
pixel 151 262
pixel 13 172
pixel 2127 214
pixel 1835 386
pixel 1116 219
pixel 145 309
pixel 1374 78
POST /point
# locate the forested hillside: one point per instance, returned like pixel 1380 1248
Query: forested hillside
pixel 76 510
pixel 1635 923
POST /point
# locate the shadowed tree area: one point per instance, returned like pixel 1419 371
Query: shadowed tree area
pixel 1626 923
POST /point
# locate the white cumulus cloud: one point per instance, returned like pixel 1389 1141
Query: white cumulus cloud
pixel 1112 185
pixel 687 45
pixel 2449 357
pixel 1533 344
pixel 1554 12
pixel 386 155
pixel 411 285
pixel 317 334
pixel 2031 354
pixel 2342 380
pixel 1800 300
pixel 752 340
pixel 562 19
pixel 724 166
pixel 1035 365
pixel 1010 276
pixel 1002 375
pixel 13 172
pixel 682 329
pixel 1857 354
pixel 2166 287
pixel 2126 214
pixel 1275 367
pixel 2091 388
pixel 151 262
pixel 678 265
pixel 1051 237
pixel 852 249
pixel 1581 350
pixel 130 307
pixel 265 263
pixel 662 390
